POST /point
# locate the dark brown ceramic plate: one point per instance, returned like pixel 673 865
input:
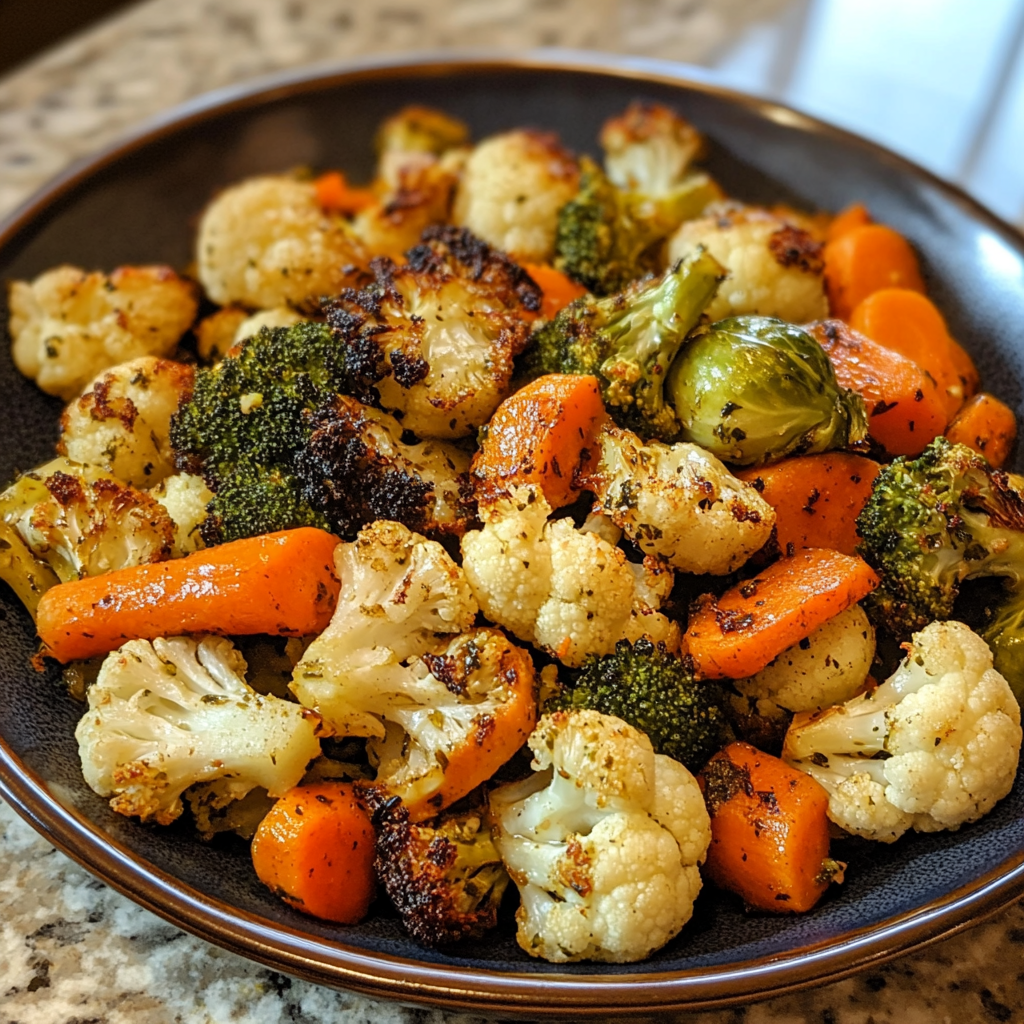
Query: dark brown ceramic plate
pixel 138 201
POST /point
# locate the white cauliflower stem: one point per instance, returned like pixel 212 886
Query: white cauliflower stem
pixel 166 715
pixel 568 591
pixel 949 724
pixel 67 325
pixel 604 842
pixel 679 503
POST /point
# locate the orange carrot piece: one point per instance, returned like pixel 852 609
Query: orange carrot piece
pixel 769 831
pixel 970 379
pixel 558 289
pixel 816 498
pixel 908 322
pixel 986 425
pixel 281 583
pixel 855 216
pixel 336 195
pixel 315 850
pixel 865 260
pixel 538 436
pixel 906 410
pixel 753 623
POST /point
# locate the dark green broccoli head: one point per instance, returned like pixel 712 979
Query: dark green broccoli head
pixel 608 237
pixel 932 523
pixel 246 420
pixel 629 341
pixel 445 878
pixel 655 691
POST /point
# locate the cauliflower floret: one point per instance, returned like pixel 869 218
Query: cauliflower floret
pixel 378 671
pixel 512 188
pixel 399 593
pixel 166 715
pixel 185 497
pixel 68 326
pixel 950 725
pixel 215 334
pixel 415 137
pixel 775 269
pixel 266 243
pixel 122 423
pixel 281 316
pixel 449 322
pixel 679 503
pixel 568 591
pixel 82 522
pixel 604 843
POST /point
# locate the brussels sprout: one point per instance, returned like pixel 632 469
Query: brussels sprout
pixel 753 389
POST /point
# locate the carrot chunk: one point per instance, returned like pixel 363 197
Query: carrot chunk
pixel 538 436
pixel 816 498
pixel 753 623
pixel 558 289
pixel 280 583
pixel 906 410
pixel 986 425
pixel 769 831
pixel 315 849
pixel 865 260
pixel 908 322
pixel 855 216
pixel 335 195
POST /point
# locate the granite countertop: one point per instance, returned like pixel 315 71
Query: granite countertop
pixel 72 949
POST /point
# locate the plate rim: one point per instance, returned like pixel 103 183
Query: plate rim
pixel 414 981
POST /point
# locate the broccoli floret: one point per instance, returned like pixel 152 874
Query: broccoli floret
pixel 654 691
pixel 445 878
pixel 628 341
pixel 934 522
pixel 608 237
pixel 244 423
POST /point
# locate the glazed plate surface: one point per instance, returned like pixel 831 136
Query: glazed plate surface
pixel 139 201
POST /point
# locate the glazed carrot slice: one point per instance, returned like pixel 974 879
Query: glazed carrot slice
pixel 970 379
pixel 908 322
pixel 315 850
pixel 986 425
pixel 738 634
pixel 865 260
pixel 558 289
pixel 279 583
pixel 906 411
pixel 816 498
pixel 855 216
pixel 538 436
pixel 769 831
pixel 335 195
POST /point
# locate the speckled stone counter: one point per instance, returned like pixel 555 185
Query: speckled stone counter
pixel 71 949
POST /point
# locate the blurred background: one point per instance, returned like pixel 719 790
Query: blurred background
pixel 941 81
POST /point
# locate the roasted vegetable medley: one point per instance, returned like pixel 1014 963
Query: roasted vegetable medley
pixel 525 523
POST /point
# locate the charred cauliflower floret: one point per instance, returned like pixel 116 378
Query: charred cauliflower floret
pixel 449 322
pixel 166 715
pixel 266 243
pixel 445 878
pixel 185 497
pixel 215 334
pixel 122 423
pixel 511 190
pixel 949 725
pixel 356 469
pixel 82 522
pixel 604 842
pixel 679 503
pixel 568 591
pixel 382 670
pixel 68 326
pixel 415 137
pixel 775 269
